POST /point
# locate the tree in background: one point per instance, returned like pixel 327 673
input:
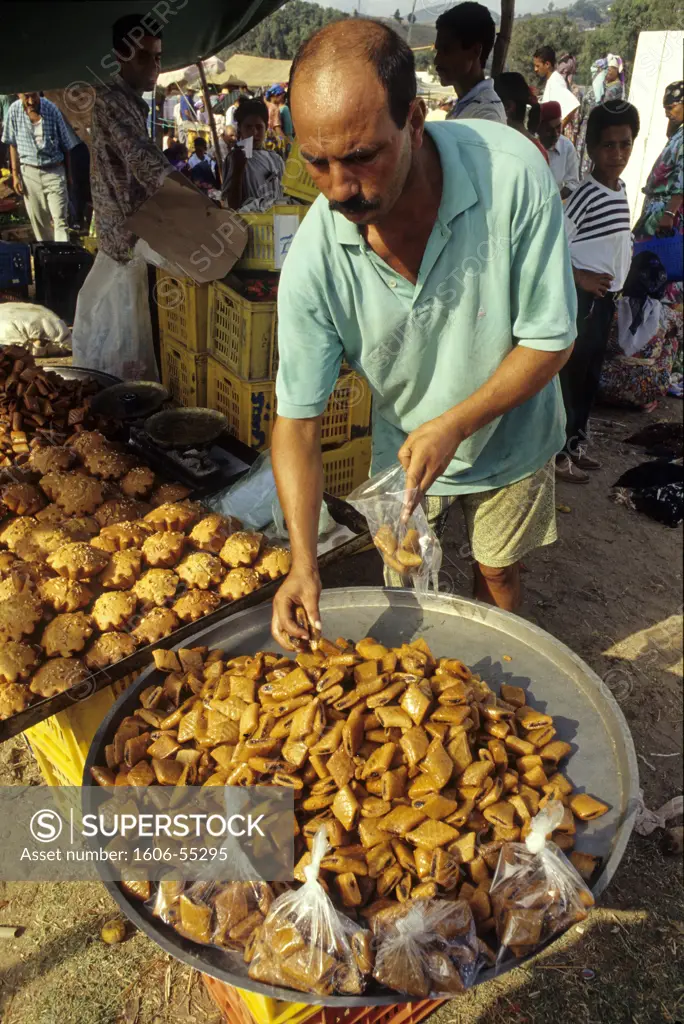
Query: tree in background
pixel 424 60
pixel 282 33
pixel 558 31
pixel 621 33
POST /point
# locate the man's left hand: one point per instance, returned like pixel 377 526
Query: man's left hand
pixel 427 452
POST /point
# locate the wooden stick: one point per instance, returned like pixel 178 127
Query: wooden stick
pixel 212 122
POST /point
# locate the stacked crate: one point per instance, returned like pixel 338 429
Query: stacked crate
pixel 183 308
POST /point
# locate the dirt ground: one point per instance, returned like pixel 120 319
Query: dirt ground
pixel 611 588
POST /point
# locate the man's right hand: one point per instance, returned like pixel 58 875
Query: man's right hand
pixel 301 589
pixel 17 185
pixel 595 284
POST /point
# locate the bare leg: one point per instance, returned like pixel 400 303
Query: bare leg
pixel 500 587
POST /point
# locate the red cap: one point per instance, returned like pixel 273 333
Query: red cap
pixel 551 111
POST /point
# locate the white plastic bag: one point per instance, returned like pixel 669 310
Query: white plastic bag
pixel 112 327
pixel 307 944
pixel 25 323
pixel 250 499
pixel 326 523
pixel 408 544
pixel 536 893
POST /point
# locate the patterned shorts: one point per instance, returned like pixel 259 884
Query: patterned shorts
pixel 503 525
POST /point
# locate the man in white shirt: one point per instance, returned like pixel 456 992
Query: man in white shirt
pixel 563 159
pixel 465 37
pixel 555 88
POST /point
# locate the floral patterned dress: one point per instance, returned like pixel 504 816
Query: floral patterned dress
pixel 641 379
pixel 665 180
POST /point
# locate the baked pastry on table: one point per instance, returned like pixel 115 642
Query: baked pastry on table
pixel 196 603
pixel 109 648
pixel 273 563
pixel 87 441
pixel 78 561
pixel 19 615
pixel 163 550
pixel 77 494
pixel 16 583
pixel 17 662
pixel 138 482
pixel 119 510
pixel 52 513
pixel 156 587
pixel 155 625
pixel 65 595
pixel 241 548
pixel 58 675
pixel 123 570
pixel 14 698
pixel 106 463
pixel 41 542
pixel 12 532
pixel 7 560
pixel 176 516
pixel 168 493
pixel 49 458
pixel 238 583
pixel 113 610
pixel 67 634
pixel 200 570
pixel 84 528
pixel 125 534
pixel 212 531
pixel 22 499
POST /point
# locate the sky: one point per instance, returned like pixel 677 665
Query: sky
pixel 427 10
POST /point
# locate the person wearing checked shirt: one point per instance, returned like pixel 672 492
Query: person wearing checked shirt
pixel 39 140
pixel 435 262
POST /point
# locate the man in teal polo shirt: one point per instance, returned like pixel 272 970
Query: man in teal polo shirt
pixel 436 264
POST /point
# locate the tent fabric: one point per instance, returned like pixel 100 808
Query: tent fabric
pixel 255 71
pixel 51 44
pixel 212 66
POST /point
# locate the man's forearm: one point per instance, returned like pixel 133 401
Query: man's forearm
pixel 522 374
pixel 298 470
pixel 14 159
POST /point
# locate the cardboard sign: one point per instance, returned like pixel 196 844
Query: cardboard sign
pixel 185 227
pixel 284 228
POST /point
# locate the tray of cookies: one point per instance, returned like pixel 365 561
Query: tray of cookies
pixel 428 742
pixel 100 562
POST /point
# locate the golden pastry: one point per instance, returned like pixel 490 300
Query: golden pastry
pixel 195 604
pixel 14 584
pixel 157 624
pixel 22 499
pixel 123 570
pixel 156 587
pixel 138 482
pixel 51 514
pixel 11 534
pixel 113 610
pixel 14 699
pixel 163 550
pixel 87 441
pixel 7 560
pixel 66 634
pixel 120 536
pixel 78 561
pixel 237 583
pixel 45 460
pixel 169 493
pixel 119 510
pixel 212 531
pixel 19 615
pixel 241 549
pixel 108 649
pixel 65 595
pixel 107 463
pixel 77 494
pixel 83 528
pixel 201 570
pixel 17 661
pixel 173 515
pixel 58 675
pixel 37 545
pixel 273 563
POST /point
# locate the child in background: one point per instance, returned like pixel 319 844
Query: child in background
pixel 597 221
pixel 256 183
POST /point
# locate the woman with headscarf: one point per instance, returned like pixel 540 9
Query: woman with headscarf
pixel 661 215
pixel 607 83
pixel 643 344
pixel 567 66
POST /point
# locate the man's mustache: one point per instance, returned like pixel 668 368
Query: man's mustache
pixel 356 204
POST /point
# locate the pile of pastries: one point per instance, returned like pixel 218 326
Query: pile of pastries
pixel 418 771
pixel 98 558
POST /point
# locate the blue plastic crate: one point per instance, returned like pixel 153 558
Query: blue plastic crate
pixel 670 252
pixel 15 265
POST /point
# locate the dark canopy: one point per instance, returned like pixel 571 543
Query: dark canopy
pixel 50 45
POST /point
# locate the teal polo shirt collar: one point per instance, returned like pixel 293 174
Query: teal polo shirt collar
pixel 458 194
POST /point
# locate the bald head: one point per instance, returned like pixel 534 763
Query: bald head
pixel 351 49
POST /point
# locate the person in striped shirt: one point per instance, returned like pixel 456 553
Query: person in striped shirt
pixel 597 223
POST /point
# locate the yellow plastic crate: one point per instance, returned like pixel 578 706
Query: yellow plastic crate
pixel 249 406
pixel 183 306
pixel 260 251
pixel 191 134
pixel 275 1011
pixel 297 181
pixel 242 332
pixel 349 410
pixel 61 743
pixel 183 371
pixel 346 467
pixel 89 242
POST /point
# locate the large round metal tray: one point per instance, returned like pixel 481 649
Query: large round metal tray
pixel 500 646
